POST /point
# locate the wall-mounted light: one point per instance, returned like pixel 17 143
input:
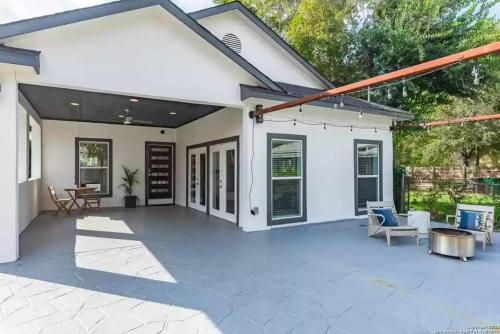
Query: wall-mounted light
pixel 134 100
pixel 172 113
pixel 75 104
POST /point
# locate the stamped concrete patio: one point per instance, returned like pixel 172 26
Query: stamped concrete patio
pixel 173 270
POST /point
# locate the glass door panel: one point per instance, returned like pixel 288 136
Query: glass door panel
pixel 223 182
pixel 230 181
pixel 197 178
pixel 217 181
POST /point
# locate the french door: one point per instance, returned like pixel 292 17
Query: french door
pixel 223 181
pixel 160 173
pixel 197 178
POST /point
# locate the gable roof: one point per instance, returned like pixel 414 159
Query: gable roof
pixel 18 56
pixel 351 104
pixel 22 27
pixel 201 14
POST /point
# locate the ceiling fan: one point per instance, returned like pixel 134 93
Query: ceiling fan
pixel 129 119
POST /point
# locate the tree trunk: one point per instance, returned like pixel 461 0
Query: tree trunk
pixel 478 159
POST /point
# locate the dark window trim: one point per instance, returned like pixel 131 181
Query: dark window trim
pixel 303 218
pixel 208 176
pixel 146 183
pixel 110 161
pixel 380 171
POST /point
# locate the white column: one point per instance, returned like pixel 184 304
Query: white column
pixel 9 238
pixel 248 221
pixel 245 154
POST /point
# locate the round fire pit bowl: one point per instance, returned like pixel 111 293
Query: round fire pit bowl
pixel 451 242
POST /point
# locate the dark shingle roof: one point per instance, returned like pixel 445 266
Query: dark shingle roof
pixel 350 103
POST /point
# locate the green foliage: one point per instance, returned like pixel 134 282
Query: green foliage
pixel 350 40
pixel 130 180
pixel 444 206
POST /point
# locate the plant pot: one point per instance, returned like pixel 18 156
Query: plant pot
pixel 130 201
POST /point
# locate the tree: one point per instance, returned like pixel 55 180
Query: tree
pixel 351 40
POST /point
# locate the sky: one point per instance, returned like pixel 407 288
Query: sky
pixel 13 10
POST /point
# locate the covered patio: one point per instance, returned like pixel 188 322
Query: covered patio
pixel 177 270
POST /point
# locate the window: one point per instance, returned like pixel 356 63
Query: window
pixel 29 147
pixel 286 179
pixel 368 173
pixel 94 164
pixel 34 149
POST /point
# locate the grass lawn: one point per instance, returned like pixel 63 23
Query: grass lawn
pixel 444 206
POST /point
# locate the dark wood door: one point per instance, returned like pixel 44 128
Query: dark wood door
pixel 160 167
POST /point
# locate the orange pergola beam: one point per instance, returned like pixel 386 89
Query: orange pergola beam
pixel 388 77
pixel 472 119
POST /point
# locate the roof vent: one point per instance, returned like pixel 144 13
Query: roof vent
pixel 232 41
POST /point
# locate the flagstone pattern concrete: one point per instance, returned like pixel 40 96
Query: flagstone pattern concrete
pixel 174 270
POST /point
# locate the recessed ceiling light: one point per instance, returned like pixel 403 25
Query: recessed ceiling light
pixel 173 113
pixel 134 100
pixel 75 104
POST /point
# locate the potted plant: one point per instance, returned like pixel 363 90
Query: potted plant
pixel 129 182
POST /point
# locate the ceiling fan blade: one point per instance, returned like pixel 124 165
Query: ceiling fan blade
pixel 138 121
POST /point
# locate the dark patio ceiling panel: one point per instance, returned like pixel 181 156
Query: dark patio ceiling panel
pixel 55 103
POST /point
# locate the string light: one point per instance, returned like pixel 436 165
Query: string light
pixel 387 86
pixel 322 123
pixel 475 74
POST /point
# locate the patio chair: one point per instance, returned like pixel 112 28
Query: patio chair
pixel 383 219
pixel 91 200
pixel 60 203
pixel 483 221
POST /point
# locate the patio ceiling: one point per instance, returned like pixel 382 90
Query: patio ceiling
pixel 59 104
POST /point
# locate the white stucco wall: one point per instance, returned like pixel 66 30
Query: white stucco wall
pixel 145 52
pixel 30 193
pixel 222 124
pixel 58 157
pixel 330 162
pixel 29 190
pixel 260 50
pixel 9 249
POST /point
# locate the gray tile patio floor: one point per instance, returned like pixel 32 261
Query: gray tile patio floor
pixel 173 270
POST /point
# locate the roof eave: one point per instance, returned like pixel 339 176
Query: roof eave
pixel 236 5
pixel 73 16
pixel 22 57
pixel 260 93
pixel 78 15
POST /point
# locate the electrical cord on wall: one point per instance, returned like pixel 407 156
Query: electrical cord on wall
pixel 251 169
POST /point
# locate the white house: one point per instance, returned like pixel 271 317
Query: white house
pixel 140 83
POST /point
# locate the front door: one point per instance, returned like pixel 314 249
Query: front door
pixel 197 178
pixel 160 173
pixel 223 181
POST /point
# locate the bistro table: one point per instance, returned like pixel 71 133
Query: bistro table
pixel 75 192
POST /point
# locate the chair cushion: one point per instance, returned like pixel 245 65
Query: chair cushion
pixel 390 220
pixel 471 220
